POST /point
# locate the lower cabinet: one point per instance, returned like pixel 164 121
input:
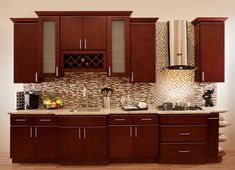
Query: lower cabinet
pixel 164 138
pixel 183 138
pixel 133 138
pixel 33 142
pixel 82 140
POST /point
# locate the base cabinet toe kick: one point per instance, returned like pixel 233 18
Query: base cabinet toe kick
pixel 119 138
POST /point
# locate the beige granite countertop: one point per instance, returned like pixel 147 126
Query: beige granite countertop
pixel 102 111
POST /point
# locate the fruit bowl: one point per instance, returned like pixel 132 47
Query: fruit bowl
pixel 52 104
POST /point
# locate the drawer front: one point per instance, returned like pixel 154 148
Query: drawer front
pixel 45 120
pixel 81 120
pixel 188 119
pixel 176 133
pixel 183 153
pixel 21 120
pixel 120 120
pixel 146 119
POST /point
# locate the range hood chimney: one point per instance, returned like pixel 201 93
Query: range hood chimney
pixel 178 45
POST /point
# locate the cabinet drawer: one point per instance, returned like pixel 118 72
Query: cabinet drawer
pixel 183 153
pixel 21 120
pixel 81 120
pixel 120 120
pixel 176 133
pixel 146 120
pixel 184 119
pixel 45 120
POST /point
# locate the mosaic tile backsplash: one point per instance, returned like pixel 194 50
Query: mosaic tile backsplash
pixel 170 86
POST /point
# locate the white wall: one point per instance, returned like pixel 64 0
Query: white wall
pixel 164 9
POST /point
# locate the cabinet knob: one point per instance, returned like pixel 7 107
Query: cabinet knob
pixel 130 131
pixel 85 43
pixel 132 76
pixel 109 71
pixel 80 43
pixel 184 151
pixel 185 134
pixel 57 71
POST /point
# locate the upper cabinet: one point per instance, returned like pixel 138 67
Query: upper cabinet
pixel 142 49
pixel 83 33
pixel 49 46
pixel 209 45
pixel 118 45
pixel 25 50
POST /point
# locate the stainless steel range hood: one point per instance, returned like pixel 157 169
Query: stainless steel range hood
pixel 178 58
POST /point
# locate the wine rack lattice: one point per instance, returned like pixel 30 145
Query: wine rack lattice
pixel 83 61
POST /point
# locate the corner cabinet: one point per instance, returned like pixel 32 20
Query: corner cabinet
pixel 142 50
pixel 209 46
pixel 118 45
pixel 49 46
pixel 26 50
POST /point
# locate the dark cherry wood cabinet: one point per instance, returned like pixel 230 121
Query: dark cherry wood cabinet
pixel 118 48
pixel 83 32
pixel 26 50
pixel 133 138
pixel 142 49
pixel 33 139
pixel 82 139
pixel 49 46
pixel 213 138
pixel 209 45
pixel 183 138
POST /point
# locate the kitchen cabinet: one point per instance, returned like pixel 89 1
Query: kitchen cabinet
pixel 213 138
pixel 49 46
pixel 26 50
pixel 209 48
pixel 82 139
pixel 83 32
pixel 118 45
pixel 142 49
pixel 133 138
pixel 33 139
pixel 183 138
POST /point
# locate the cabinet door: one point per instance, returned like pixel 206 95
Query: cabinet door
pixel 45 145
pixel 210 52
pixel 25 52
pixel 120 142
pixel 94 29
pixel 146 142
pixel 70 145
pixel 142 49
pixel 71 33
pixel 118 46
pixel 49 46
pixel 22 144
pixel 95 144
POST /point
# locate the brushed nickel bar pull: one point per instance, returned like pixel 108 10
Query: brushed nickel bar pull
pixel 184 134
pixel 79 133
pixel 136 132
pixel 31 132
pixel 36 77
pixel 20 120
pixel 146 119
pixel 57 71
pixel 84 135
pixel 184 151
pixel 45 120
pixel 130 131
pixel 132 76
pixel 109 70
pixel 80 43
pixel 203 76
pixel 36 132
pixel 213 118
pixel 85 43
pixel 119 119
